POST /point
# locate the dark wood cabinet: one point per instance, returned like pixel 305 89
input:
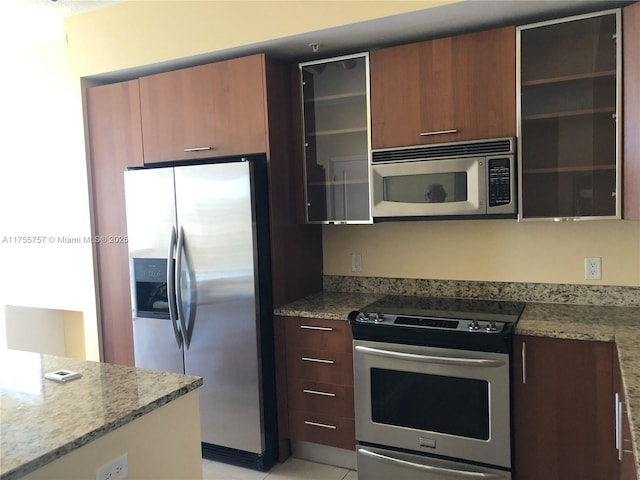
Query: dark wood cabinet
pixel 444 90
pixel 626 465
pixel 315 370
pixel 631 111
pixel 113 123
pixel 564 411
pixel 212 110
pixel 265 124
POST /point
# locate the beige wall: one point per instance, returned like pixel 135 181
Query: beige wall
pixel 163 444
pixel 491 250
pixel 136 33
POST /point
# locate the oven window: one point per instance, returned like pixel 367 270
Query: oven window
pixel 426 188
pixel 455 406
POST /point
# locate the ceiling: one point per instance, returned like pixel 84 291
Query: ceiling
pixel 43 19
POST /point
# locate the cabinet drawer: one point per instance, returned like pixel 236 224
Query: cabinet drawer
pixel 321 397
pixel 319 335
pixel 319 366
pixel 337 432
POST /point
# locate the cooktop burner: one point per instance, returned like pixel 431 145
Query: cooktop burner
pixel 454 322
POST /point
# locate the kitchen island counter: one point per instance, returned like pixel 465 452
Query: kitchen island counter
pixel 43 420
pixel 620 325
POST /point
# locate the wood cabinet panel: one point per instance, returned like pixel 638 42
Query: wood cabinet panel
pixel 322 428
pixel 309 396
pixel 465 85
pixel 218 107
pixel 320 335
pixel 626 464
pixel 631 112
pixel 320 366
pixel 563 409
pixel 113 122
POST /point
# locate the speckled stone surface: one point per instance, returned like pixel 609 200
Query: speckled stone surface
pixel 523 292
pixel 42 420
pixel 619 324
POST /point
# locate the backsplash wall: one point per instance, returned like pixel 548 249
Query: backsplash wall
pixel 487 250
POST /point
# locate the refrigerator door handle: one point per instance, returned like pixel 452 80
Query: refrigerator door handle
pixel 171 288
pixel 178 287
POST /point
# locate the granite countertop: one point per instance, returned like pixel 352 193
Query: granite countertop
pixel 43 420
pixel 580 322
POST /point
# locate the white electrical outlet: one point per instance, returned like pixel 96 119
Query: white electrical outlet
pixel 593 268
pixel 116 469
pixel 356 262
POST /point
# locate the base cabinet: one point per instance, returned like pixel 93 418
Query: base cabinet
pixel 315 381
pixel 564 409
pixel 626 465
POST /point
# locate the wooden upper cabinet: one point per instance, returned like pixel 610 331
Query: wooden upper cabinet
pixel 444 90
pixel 212 110
pixel 631 111
pixel 115 139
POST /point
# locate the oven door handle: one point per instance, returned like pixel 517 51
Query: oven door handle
pixel 465 362
pixel 427 468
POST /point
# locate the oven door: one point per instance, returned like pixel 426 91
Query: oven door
pixel 437 401
pixel 429 188
pixel 383 464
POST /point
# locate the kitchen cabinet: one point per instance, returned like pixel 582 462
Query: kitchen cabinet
pixel 444 90
pixel 116 130
pixel 212 110
pixel 631 112
pixel 626 465
pixel 315 368
pixel 113 125
pixel 335 110
pixel 564 411
pixel 569 72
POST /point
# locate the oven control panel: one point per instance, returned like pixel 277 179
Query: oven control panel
pixel 427 322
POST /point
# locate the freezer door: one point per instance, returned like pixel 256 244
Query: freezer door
pixel 218 290
pixel 151 218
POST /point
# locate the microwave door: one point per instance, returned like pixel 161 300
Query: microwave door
pixel 429 188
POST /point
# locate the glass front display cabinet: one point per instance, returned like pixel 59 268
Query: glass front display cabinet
pixel 337 145
pixel 568 110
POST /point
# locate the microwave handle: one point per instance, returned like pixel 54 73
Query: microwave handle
pixel 427 468
pixel 465 362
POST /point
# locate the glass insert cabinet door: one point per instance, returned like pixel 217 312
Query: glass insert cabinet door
pixel 335 106
pixel 569 98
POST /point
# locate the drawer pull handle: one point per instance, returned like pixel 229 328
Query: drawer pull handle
pixel 317 360
pixel 197 149
pixel 311 327
pixel 316 392
pixel 323 425
pixel 438 132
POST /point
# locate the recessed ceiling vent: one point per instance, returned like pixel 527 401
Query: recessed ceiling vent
pixel 445 150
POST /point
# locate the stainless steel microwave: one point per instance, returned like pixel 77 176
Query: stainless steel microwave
pixel 454 180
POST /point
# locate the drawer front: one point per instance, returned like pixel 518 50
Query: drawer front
pixel 324 429
pixel 319 366
pixel 319 334
pixel 314 397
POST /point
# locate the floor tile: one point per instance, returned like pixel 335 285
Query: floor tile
pixel 351 475
pixel 296 469
pixel 222 471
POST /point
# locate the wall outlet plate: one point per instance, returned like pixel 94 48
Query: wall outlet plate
pixel 593 268
pixel 116 469
pixel 356 262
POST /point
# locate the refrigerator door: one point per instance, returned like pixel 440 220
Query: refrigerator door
pixel 219 300
pixel 151 219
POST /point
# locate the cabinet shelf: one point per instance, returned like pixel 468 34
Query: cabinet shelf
pixel 570 113
pixel 578 169
pixel 338 131
pixel 570 78
pixel 337 97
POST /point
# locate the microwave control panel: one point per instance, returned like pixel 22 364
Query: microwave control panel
pixel 499 181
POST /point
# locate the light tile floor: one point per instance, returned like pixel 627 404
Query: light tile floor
pixel 292 469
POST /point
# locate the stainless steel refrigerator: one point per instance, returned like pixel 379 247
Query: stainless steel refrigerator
pixel 201 294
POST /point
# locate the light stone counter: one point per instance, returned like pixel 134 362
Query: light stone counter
pixel 42 420
pixel 580 322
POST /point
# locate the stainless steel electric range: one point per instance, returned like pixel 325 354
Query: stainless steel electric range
pixel 432 388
